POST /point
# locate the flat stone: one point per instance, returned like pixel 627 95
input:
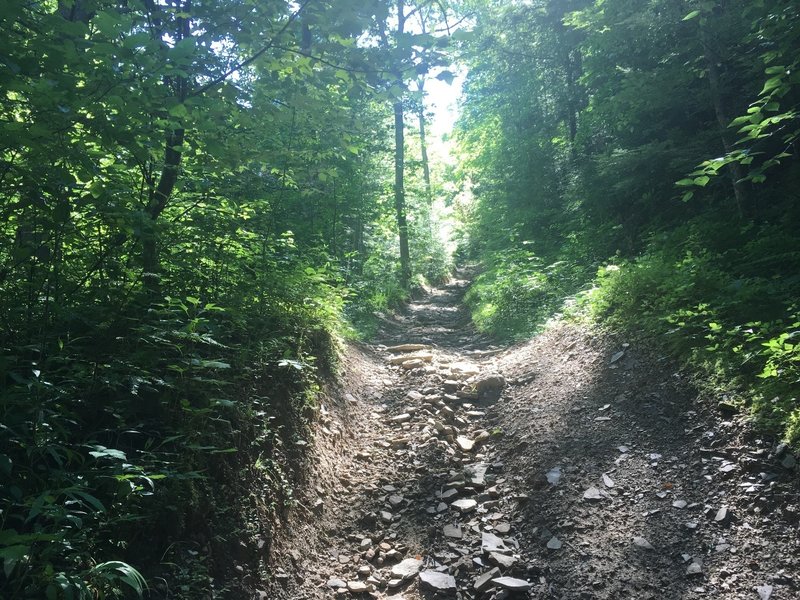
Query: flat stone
pixel 453 531
pixel 395 500
pixel 464 369
pixel 680 504
pixel 695 568
pixel 476 474
pixel 723 515
pixel 554 543
pixel 400 418
pixel 465 443
pixel 616 356
pixel 592 495
pixel 423 357
pixel 512 584
pixel 406 348
pixel 336 584
pixel 764 592
pixel 554 476
pixel 502 560
pixel 484 582
pixel 386 516
pixel 414 363
pixel 642 543
pixel 357 587
pixel 492 543
pixel 448 493
pixel 406 569
pixel 502 527
pixel 464 505
pixel 437 582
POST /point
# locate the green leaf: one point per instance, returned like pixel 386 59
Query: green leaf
pixel 89 499
pixel 117 570
pixel 211 364
pixel 772 84
pixel 103 452
pixel 702 181
pixel 179 111
pixel 691 15
pixel 11 555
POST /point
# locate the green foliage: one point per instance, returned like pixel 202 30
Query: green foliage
pixel 768 129
pixel 515 294
pixel 716 307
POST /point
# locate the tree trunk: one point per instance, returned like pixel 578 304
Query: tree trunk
pixel 160 196
pixel 151 263
pixel 715 87
pixel 426 167
pixel 399 168
pixel 400 194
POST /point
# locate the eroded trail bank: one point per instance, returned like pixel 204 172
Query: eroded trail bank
pixel 572 466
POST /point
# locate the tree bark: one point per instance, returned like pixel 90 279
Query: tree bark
pixel 399 168
pixel 161 194
pixel 715 87
pixel 400 194
pixel 426 167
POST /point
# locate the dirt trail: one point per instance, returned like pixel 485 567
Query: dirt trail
pixel 571 466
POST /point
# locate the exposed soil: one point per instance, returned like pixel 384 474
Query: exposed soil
pixel 595 472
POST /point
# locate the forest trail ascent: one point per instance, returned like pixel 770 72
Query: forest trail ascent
pixel 570 466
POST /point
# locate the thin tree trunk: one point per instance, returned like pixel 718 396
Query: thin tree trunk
pixel 426 168
pixel 400 194
pixel 715 87
pixel 160 196
pixel 335 218
pixel 399 168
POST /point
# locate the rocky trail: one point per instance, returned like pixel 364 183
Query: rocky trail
pixel 571 466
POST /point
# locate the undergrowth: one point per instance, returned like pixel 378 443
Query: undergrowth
pixel 131 444
pixel 517 292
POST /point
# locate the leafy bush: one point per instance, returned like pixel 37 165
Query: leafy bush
pixel 731 317
pixel 516 293
pixel 115 430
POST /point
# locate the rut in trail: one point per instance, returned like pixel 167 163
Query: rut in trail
pixel 571 466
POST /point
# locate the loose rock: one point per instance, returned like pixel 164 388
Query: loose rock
pixel 512 584
pixel 437 582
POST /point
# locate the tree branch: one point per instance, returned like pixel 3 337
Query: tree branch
pixel 213 83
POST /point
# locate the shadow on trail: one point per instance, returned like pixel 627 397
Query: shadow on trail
pixel 588 419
